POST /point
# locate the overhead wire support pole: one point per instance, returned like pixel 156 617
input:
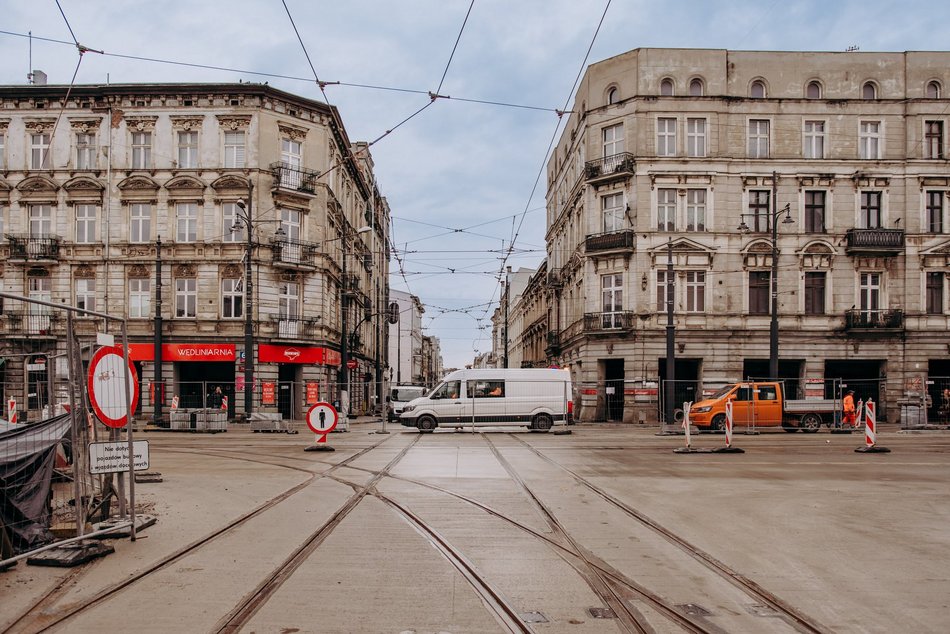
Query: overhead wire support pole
pixel 248 305
pixel 670 337
pixel 773 322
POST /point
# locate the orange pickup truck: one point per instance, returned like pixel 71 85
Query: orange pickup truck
pixel 762 405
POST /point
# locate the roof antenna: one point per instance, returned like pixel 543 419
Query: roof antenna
pixel 29 75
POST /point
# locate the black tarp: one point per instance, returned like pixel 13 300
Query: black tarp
pixel 27 457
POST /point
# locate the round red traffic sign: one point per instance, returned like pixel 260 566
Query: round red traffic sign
pixel 352 364
pixel 107 394
pixel 322 418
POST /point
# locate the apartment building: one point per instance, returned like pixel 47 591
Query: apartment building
pixel 667 183
pixel 99 183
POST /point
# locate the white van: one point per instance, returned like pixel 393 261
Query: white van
pixel 533 398
pixel 399 395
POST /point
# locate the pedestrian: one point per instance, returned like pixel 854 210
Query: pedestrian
pixel 847 407
pixel 215 398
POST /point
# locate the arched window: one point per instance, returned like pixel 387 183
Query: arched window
pixel 613 96
pixel 813 91
pixel 933 90
pixel 757 90
pixel 869 91
pixel 696 88
pixel 666 87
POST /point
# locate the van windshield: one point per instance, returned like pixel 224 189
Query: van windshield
pixel 405 394
pixel 721 392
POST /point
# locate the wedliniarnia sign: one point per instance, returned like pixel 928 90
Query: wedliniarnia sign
pixel 113 457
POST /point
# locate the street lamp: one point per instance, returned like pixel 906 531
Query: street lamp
pixel 343 374
pixel 773 216
pixel 244 216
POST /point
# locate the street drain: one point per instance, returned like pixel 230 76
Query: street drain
pixel 757 609
pixel 693 609
pixel 533 617
pixel 601 613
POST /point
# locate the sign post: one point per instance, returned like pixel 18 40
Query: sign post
pixel 321 419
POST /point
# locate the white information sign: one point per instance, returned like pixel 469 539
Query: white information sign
pixel 113 457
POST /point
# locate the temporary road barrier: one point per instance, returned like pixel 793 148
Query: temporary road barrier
pixel 728 448
pixel 870 432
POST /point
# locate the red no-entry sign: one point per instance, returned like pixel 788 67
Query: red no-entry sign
pixel 107 392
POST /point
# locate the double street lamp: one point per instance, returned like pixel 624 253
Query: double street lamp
pixel 772 217
pixel 343 374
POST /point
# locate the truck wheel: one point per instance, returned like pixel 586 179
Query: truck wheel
pixel 810 423
pixel 427 424
pixel 718 422
pixel 541 422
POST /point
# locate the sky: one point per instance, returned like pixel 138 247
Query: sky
pixel 464 179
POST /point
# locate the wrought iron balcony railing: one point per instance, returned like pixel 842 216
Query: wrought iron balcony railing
pixel 293 252
pixel 27 247
pixel 31 323
pixel 298 179
pixel 857 319
pixel 875 240
pixel 294 327
pixel 610 241
pixel 621 164
pixel 610 321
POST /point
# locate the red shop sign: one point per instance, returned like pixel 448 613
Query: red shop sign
pixel 184 352
pixel 267 392
pixel 310 355
pixel 313 393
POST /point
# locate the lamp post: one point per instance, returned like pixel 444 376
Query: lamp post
pixel 244 215
pixel 773 216
pixel 343 376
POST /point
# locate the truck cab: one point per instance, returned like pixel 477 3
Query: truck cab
pixel 753 404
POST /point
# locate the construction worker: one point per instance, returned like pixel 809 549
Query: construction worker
pixel 847 407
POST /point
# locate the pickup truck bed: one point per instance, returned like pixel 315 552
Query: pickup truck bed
pixel 804 406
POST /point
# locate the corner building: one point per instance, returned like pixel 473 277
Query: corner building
pixel 668 152
pixel 98 186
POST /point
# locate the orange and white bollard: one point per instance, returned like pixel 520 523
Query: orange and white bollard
pixel 870 431
pixel 859 415
pixel 687 449
pixel 729 420
pixel 11 411
pixel 224 403
pixel 174 402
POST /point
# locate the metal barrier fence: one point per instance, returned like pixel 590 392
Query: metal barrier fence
pixel 64 461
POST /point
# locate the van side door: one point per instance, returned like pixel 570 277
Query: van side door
pixel 488 401
pixel 742 404
pixel 768 407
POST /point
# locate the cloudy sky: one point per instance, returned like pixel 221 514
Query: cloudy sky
pixel 460 176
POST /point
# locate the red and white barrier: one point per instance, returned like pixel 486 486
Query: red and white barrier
pixel 728 423
pixel 11 411
pixel 224 403
pixel 870 431
pixel 174 402
pixel 686 407
pixel 859 415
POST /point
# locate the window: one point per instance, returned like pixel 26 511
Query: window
pixel 290 223
pixel 187 215
pixel 815 293
pixel 288 300
pixel 661 290
pixel 85 151
pixel 935 286
pixel 869 91
pixel 613 96
pixel 141 150
pixel 485 389
pixel 870 210
pixel 814 212
pixel 666 87
pixel 139 298
pixel 187 150
pixel 814 140
pixel 612 295
pixel 759 292
pixel 234 149
pixel 759 210
pixel 666 209
pixel 665 137
pixel 140 222
pixel 935 211
pixel 233 227
pixel 696 137
pixel 2 146
pixel 933 90
pixel 758 138
pixel 86 294
pixel 41 221
pixel 696 88
pixel 232 298
pixel 613 140
pixel 291 153
pixel 768 393
pixel 612 206
pixel 695 291
pixel 39 156
pixel 933 139
pixel 870 294
pixel 696 210
pixel 450 389
pixel 757 90
pixel 813 90
pixel 186 297
pixel 85 223
pixel 869 140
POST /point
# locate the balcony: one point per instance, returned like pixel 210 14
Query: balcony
pixel 875 241
pixel 293 253
pixel 351 283
pixel 553 348
pixel 611 167
pixel 34 248
pixel 32 323
pixel 555 279
pixel 290 178
pixel 294 328
pixel 611 241
pixel 873 320
pixel 618 321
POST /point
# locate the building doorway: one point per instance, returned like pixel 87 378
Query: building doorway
pixel 286 390
pixel 685 385
pixel 865 377
pixel 197 380
pixel 938 391
pixel 613 389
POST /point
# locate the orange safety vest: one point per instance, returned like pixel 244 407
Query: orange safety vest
pixel 848 404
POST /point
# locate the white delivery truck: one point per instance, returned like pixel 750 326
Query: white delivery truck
pixel 488 397
pixel 399 395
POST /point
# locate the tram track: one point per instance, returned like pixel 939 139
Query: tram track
pixel 39 616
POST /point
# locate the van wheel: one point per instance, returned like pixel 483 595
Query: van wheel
pixel 810 423
pixel 426 424
pixel 718 422
pixel 541 422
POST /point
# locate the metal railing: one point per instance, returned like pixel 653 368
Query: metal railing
pixel 294 178
pixel 609 321
pixel 27 247
pixel 623 239
pixel 293 252
pixel 32 322
pixel 875 239
pixel 620 163
pixel 873 319
pixel 294 327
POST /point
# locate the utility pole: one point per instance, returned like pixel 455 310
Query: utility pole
pixel 773 324
pixel 507 299
pixel 670 337
pixel 249 309
pixel 343 374
pixel 159 391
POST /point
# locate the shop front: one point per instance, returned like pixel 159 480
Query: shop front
pixel 304 377
pixel 199 369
